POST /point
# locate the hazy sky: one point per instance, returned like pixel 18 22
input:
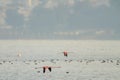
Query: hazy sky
pixel 60 19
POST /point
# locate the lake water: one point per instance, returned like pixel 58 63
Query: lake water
pixel 87 59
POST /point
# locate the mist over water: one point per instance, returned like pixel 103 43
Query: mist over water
pixel 52 49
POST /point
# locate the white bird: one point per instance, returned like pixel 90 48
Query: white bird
pixel 19 54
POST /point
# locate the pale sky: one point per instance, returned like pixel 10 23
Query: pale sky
pixel 60 19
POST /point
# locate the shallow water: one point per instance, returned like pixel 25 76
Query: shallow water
pixel 88 60
pixel 73 70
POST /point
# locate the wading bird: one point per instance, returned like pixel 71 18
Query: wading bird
pixel 47 67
